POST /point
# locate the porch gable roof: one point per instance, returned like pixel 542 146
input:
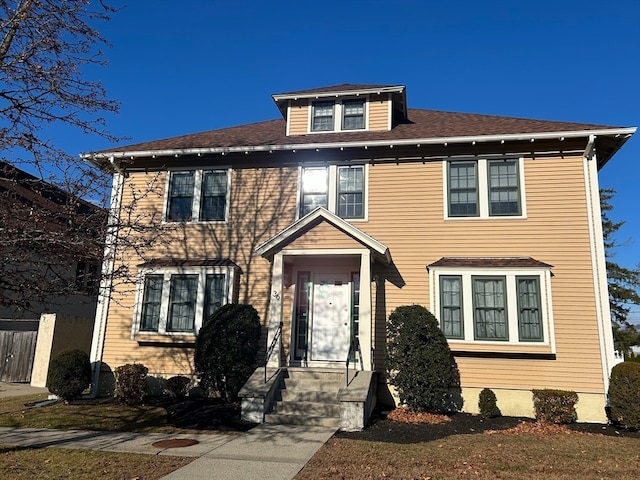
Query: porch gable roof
pixel 279 240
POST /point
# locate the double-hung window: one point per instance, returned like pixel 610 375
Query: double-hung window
pixel 488 305
pixel 351 192
pixel 451 306
pixel 340 189
pixel 489 308
pixel 463 189
pixel 353 114
pixel 484 188
pixel 197 196
pixel 529 309
pixel 314 189
pixel 178 300
pixel 504 188
pixel 322 116
pixel 338 115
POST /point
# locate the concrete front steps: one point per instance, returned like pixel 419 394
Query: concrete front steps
pixel 307 397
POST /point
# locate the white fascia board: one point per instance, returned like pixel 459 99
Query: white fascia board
pixel 339 93
pixel 96 158
pixel 336 221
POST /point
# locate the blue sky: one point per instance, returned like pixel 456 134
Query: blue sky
pixel 188 66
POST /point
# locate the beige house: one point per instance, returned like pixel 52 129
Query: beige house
pixel 351 205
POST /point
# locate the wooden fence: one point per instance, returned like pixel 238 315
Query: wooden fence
pixel 17 349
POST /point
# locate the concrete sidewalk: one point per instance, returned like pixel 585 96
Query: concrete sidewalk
pixel 266 452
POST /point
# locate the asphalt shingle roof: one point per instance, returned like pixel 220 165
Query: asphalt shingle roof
pixel 420 124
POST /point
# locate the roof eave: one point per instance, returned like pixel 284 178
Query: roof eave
pixel 101 158
pixel 339 93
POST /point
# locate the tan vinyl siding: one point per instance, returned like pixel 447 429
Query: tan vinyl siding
pixel 262 202
pixel 298 117
pixel 555 232
pixel 406 213
pixel 379 114
pixel 323 236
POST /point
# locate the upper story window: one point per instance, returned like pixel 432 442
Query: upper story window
pixel 197 195
pixel 178 300
pixel 353 115
pixel 484 188
pixel 493 305
pixel 322 116
pixel 339 189
pixel 339 115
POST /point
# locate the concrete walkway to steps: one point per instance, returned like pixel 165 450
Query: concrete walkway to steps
pixel 265 452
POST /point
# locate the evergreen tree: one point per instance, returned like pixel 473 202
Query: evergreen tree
pixel 624 283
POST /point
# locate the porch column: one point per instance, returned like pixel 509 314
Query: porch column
pixel 275 311
pixel 366 319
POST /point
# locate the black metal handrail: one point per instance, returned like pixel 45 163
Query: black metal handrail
pixel 354 347
pixel 271 348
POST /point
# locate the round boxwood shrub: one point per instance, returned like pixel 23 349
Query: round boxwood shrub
pixel 488 404
pixel 624 395
pixel 178 386
pixel 226 349
pixel 131 383
pixel 69 374
pixel 419 362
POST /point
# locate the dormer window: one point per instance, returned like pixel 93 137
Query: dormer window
pixel 353 115
pixel 338 115
pixel 322 117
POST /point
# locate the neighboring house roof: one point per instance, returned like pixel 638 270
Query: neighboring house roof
pixel 500 262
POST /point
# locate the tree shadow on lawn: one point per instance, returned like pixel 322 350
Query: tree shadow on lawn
pixel 187 413
pixel 382 429
pixel 203 414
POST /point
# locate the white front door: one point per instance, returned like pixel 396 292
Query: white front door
pixel 330 317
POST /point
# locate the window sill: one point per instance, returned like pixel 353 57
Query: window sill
pixel 493 217
pixel 500 348
pixel 165 340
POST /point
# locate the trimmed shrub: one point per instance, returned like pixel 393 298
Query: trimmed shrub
pixel 178 386
pixel 488 404
pixel 624 395
pixel 419 362
pixel 69 374
pixel 226 349
pixel 555 406
pixel 131 383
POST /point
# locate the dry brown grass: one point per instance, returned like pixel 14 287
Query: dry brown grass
pixel 18 463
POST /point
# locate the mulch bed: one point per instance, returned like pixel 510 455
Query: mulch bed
pixel 400 426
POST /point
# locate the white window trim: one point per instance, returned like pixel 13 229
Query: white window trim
pixel 332 192
pixel 197 190
pixel 167 272
pixel 337 115
pixel 483 189
pixel 510 275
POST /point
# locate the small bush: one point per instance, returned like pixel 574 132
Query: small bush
pixel 69 374
pixel 488 404
pixel 419 362
pixel 226 349
pixel 555 406
pixel 178 386
pixel 624 395
pixel 131 383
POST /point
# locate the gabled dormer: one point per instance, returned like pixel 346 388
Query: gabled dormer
pixel 343 108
